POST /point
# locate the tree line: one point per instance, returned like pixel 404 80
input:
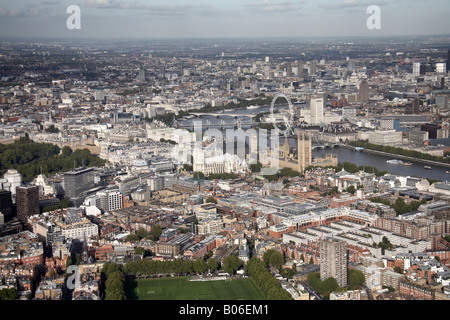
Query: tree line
pixel 399 151
pixel 265 281
pixel 352 168
pixel 174 267
pixel 30 158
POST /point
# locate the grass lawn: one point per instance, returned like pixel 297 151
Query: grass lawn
pixel 179 288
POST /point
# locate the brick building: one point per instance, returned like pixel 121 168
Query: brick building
pixel 417 291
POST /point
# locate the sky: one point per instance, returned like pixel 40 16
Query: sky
pixel 156 19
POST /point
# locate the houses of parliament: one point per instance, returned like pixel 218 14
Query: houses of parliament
pixel 300 157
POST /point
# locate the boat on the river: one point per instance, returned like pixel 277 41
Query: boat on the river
pixel 427 167
pixel 394 161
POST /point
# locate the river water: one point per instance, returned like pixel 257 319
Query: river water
pixel 379 161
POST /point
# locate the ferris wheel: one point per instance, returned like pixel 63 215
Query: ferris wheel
pixel 288 119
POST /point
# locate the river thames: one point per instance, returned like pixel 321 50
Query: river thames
pixel 379 161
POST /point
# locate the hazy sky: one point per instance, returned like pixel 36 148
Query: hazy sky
pixel 224 18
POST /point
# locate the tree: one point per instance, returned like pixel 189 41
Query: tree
pixel 52 129
pixel 351 189
pixel 110 267
pixel 212 264
pixel 210 199
pixel 68 261
pixel 78 259
pixel 66 151
pixel 311 261
pixel 142 233
pixel 132 237
pixel 8 294
pixel 198 175
pixel 355 278
pixel 114 285
pixel 139 251
pixel 231 264
pixel 200 265
pixel 273 258
pixel 324 288
pixel 255 167
pixel 333 190
pixel 398 270
pixel 156 232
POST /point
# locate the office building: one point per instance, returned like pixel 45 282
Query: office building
pixel 432 130
pixel 110 200
pixel 351 66
pixel 316 106
pixel 288 69
pixel 417 136
pixel 313 67
pixel 333 260
pixel 300 68
pixel 448 61
pixel 78 181
pixel 364 91
pixel 441 68
pixel 415 106
pixel 416 69
pixel 27 199
pixel 141 76
pixel 6 207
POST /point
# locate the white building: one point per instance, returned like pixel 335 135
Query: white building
pixel 110 200
pixel 386 137
pixel 416 69
pixel 441 67
pixel 45 187
pixel 317 106
pixel 14 178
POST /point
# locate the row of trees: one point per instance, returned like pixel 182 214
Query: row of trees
pixel 265 281
pixel 399 151
pixel 176 267
pixel 115 281
pixel 282 173
pixel 29 158
pixel 353 168
pixel 400 206
pixel 64 203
